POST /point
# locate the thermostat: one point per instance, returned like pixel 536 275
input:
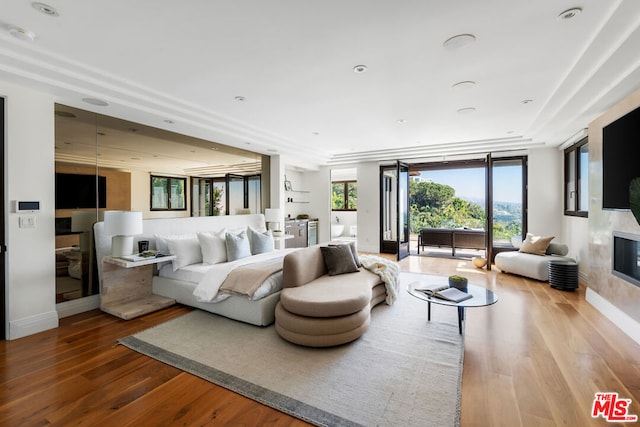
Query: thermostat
pixel 22 206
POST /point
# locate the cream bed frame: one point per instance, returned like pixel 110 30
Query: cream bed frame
pixel 260 312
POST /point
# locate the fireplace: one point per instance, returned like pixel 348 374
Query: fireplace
pixel 626 257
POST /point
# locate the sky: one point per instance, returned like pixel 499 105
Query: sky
pixel 469 183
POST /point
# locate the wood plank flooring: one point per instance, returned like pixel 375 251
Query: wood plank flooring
pixel 535 358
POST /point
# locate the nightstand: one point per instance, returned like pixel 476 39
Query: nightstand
pixel 126 290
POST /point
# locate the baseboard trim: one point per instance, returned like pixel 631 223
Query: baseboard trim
pixel 32 325
pixel 76 306
pixel 621 319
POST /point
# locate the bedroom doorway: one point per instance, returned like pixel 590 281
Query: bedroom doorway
pixel 344 204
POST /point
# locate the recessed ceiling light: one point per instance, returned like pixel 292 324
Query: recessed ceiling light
pixel 240 98
pixel 459 41
pixel 315 133
pixel 360 69
pixel 467 84
pixel 214 148
pixel 401 121
pixel 510 132
pixel 21 33
pixel 169 122
pixel 45 8
pixel 95 101
pixel 526 101
pixel 467 110
pixel 569 14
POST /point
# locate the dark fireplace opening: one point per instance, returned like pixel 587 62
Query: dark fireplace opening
pixel 626 257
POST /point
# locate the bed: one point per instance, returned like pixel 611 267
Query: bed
pixel 181 283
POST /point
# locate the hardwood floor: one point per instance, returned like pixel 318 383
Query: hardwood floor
pixel 535 358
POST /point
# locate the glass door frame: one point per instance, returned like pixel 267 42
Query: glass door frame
pixel 399 244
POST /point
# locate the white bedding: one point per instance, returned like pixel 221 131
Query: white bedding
pixel 210 277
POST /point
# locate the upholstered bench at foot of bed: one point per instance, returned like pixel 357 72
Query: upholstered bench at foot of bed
pixel 329 311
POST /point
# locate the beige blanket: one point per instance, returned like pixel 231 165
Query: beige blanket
pixel 246 280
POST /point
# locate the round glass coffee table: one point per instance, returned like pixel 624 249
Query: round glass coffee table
pixel 480 297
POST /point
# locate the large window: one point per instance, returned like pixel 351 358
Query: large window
pixel 344 196
pixel 576 179
pixel 168 193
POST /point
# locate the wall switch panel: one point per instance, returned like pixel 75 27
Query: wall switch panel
pixel 27 221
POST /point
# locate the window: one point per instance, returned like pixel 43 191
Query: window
pixel 168 193
pixel 576 179
pixel 344 196
pixel 207 196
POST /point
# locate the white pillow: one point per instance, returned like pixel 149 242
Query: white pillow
pixel 237 245
pixel 213 246
pixel 187 251
pixel 260 242
pixel 161 241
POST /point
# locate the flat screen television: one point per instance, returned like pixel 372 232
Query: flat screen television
pixel 620 159
pixel 75 191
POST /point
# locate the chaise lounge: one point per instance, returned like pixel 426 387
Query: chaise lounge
pixel 317 309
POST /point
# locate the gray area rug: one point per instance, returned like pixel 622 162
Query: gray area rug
pixel 402 371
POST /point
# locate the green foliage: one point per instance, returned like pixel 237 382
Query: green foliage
pixel 435 205
pixel 338 199
pixel 217 199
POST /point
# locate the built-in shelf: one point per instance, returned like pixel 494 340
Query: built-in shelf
pixel 290 199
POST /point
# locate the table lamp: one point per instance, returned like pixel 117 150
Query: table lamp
pixel 271 216
pixel 122 225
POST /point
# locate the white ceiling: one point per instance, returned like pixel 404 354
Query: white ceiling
pixel 293 61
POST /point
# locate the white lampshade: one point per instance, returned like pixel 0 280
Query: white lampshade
pixel 272 215
pixel 122 225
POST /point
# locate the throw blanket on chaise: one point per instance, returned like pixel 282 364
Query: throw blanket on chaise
pixel 243 276
pixel 388 272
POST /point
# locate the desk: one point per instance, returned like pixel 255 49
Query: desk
pixel 125 289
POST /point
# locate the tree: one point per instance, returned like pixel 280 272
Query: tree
pixel 435 205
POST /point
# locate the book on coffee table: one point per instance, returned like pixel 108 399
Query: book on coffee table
pixel 444 292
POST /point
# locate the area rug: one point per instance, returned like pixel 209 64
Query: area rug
pixel 402 371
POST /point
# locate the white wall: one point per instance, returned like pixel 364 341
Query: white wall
pixel 29 171
pixel 576 236
pixel 545 193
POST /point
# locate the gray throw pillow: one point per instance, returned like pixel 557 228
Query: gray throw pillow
pixel 261 242
pixel 237 245
pixel 338 259
pixel 354 251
